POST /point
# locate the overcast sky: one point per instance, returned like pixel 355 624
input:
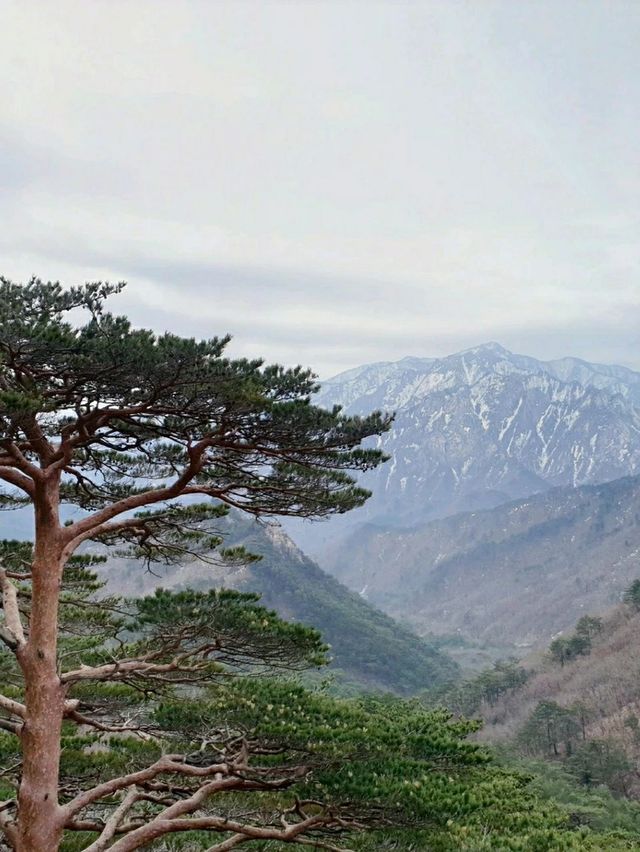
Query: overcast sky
pixel 333 183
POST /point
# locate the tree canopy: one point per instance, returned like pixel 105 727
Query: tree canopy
pixel 183 719
pixel 132 419
pixel 124 723
pixel 146 439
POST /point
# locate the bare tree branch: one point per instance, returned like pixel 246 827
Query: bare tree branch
pixel 31 471
pixel 146 498
pixel 166 823
pixel 14 477
pixel 124 668
pixel 170 763
pixel 111 825
pixel 12 621
pixel 13 707
pixel 8 638
pixel 229 843
pixel 7 825
pixel 81 719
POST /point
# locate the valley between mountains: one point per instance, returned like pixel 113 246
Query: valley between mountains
pixel 493 575
pixel 510 505
pixel 513 576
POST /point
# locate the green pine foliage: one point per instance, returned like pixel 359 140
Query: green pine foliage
pixel 136 406
pixel 632 595
pixel 145 440
pixel 594 806
pixel 467 697
pixel 180 714
pixel 381 765
pixel 550 729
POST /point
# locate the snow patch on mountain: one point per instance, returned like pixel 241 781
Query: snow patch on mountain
pixel 484 426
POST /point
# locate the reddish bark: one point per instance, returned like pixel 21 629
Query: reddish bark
pixel 39 827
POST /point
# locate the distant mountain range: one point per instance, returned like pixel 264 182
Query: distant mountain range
pixel 509 507
pixel 482 427
pixel 514 575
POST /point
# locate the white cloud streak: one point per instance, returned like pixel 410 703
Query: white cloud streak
pixel 333 182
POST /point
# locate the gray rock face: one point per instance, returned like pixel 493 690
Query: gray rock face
pixel 485 426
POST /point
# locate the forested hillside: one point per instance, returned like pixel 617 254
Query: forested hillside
pixel 367 646
pixel 576 704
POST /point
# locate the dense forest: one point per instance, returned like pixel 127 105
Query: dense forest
pixel 369 649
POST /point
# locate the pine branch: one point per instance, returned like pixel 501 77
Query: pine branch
pixel 31 472
pixel 75 532
pixel 12 632
pixel 15 477
pixel 123 669
pixel 15 708
pixel 168 764
pixel 7 824
pixel 82 719
pixel 171 821
pixel 111 825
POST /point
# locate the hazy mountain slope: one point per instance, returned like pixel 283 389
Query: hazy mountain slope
pixel 609 377
pixel 515 574
pixel 483 427
pixel 367 645
pixel 599 691
pixel 606 681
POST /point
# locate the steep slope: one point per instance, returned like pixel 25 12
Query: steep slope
pixel 582 714
pixel 483 427
pixel 606 682
pixel 571 720
pixel 513 575
pixel 367 646
pixel 609 377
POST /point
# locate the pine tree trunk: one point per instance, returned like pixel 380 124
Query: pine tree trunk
pixel 39 819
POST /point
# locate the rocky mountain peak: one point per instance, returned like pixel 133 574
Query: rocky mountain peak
pixel 484 426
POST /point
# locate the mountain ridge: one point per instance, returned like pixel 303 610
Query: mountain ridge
pixel 368 647
pixel 482 427
pixel 515 574
pixel 566 368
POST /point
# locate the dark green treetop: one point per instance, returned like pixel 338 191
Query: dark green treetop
pixel 133 419
pixel 147 439
pixel 632 595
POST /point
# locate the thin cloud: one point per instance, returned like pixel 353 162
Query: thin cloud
pixel 333 183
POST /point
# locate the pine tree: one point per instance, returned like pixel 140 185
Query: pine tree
pixel 632 595
pixel 124 722
pixel 149 439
